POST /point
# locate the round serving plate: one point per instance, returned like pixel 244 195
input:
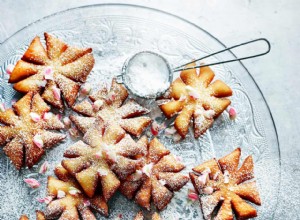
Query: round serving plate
pixel 115 32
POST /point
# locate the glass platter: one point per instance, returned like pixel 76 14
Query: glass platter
pixel 115 32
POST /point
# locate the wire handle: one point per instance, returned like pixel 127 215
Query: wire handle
pixel 182 67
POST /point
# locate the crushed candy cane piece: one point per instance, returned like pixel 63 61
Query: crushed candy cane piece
pixel 56 92
pixel 162 182
pixel 44 167
pixel 48 199
pixel 35 117
pixel 47 115
pixel 67 122
pixel 60 194
pixel 73 191
pixel 37 140
pixel 10 68
pixel 111 97
pixel 41 200
pixel 102 172
pixel 48 73
pixel 208 190
pixel 32 183
pixel 86 89
pixel 2 107
pixel 155 127
pixel 226 176
pixel 192 195
pixel 232 113
pixel 97 105
pixel 215 177
pixel 203 179
pixel 147 169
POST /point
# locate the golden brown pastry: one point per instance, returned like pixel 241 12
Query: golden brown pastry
pixel 68 199
pixel 222 182
pixel 25 131
pixel 157 178
pixel 193 96
pixel 59 68
pixel 104 160
pixel 108 105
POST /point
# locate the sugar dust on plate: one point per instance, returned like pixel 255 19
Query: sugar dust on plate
pixel 147 75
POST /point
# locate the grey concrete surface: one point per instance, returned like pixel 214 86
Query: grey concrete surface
pixel 230 21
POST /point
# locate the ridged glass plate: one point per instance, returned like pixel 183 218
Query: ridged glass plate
pixel 115 32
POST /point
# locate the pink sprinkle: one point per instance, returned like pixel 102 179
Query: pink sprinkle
pixel 48 199
pixel 232 113
pixel 32 183
pixel 35 117
pixel 67 122
pixel 2 107
pixel 56 92
pixel 192 196
pixel 47 115
pixel 9 69
pixel 37 140
pixel 41 200
pixel 44 167
pixel 48 73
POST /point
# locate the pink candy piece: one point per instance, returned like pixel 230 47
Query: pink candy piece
pixel 44 167
pixel 56 93
pixel 48 73
pixel 32 183
pixel 98 155
pixel 86 202
pixel 232 113
pixel 59 116
pixel 203 179
pixel 9 69
pixel 35 117
pixel 155 127
pixel 37 140
pixel 192 195
pixel 170 131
